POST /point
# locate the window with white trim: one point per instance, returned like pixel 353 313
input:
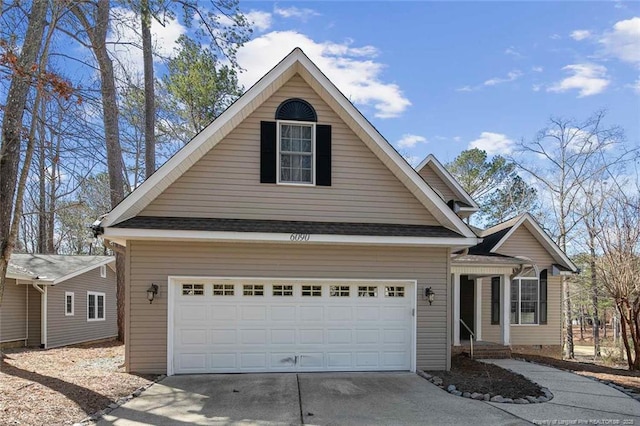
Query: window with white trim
pixel 223 289
pixel 253 290
pixel 394 291
pixel 367 291
pixel 525 298
pixel 95 306
pixel 193 289
pixel 312 290
pixel 339 291
pixel 283 290
pixel 69 302
pixel 103 271
pixel 296 146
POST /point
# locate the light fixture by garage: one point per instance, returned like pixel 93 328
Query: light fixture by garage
pixel 429 295
pixel 151 292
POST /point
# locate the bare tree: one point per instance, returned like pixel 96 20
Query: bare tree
pixel 619 266
pixel 12 130
pixel 570 153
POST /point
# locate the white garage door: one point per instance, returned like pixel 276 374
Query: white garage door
pixel 257 326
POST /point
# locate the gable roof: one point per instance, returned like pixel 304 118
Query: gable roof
pixel 295 62
pixel 51 268
pixel 496 236
pixel 435 165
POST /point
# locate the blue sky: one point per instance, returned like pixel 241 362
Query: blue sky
pixel 439 77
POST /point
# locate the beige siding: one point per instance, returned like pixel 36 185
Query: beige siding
pixel 13 312
pixel 34 338
pixel 153 262
pixel 225 183
pixel 432 178
pixel 66 330
pixel 523 243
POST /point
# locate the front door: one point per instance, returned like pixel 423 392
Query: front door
pixel 467 306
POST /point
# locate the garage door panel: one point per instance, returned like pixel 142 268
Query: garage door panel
pixel 254 313
pixel 312 313
pixel 312 337
pixel 223 337
pixel 283 313
pixel 301 331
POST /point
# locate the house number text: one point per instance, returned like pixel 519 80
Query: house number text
pixel 300 237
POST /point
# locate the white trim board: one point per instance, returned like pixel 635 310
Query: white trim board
pixel 121 235
pixel 298 62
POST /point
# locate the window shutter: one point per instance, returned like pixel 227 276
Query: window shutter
pixel 268 152
pixel 323 155
pixel 495 300
pixel 543 297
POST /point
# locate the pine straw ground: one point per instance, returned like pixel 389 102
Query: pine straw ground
pixel 62 386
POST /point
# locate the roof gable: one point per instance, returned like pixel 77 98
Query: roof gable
pixel 447 179
pixel 501 239
pixel 224 183
pixel 295 62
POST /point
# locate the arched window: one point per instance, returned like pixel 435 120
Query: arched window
pixel 296 109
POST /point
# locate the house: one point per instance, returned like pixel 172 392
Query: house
pixel 525 314
pixel 290 236
pixel 54 300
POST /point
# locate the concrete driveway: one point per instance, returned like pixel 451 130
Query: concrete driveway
pixel 293 399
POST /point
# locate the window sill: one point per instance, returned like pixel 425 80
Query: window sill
pixel 295 184
pixel 525 325
pixel 95 319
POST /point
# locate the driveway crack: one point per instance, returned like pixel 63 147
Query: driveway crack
pixel 300 399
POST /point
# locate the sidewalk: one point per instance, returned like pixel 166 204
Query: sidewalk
pixel 576 399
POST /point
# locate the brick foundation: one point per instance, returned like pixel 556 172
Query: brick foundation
pixel 553 351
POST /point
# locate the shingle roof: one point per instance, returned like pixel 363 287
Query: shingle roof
pixel 51 267
pixel 286 227
pixel 488 242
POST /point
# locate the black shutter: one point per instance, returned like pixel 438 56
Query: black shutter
pixel 543 297
pixel 495 300
pixel 323 155
pixel 268 152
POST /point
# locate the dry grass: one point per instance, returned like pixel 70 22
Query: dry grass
pixel 62 386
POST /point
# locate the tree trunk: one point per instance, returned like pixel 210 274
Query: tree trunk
pixel 98 36
pixel 12 131
pixel 149 91
pixel 594 293
pixel 568 320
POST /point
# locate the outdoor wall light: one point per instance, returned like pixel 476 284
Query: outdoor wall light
pixel 151 292
pixel 429 295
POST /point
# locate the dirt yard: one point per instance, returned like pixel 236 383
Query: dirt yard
pixel 62 386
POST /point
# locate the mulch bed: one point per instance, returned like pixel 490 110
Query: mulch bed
pixel 64 385
pixel 619 376
pixel 469 375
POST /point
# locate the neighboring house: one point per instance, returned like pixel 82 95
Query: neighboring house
pixel 290 236
pixel 54 300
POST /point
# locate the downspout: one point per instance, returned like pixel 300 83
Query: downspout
pixel 26 340
pixel 43 314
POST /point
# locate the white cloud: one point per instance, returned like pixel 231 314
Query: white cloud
pixel 409 141
pixel 126 42
pixel 555 36
pixel 623 42
pixel 537 69
pixel 512 51
pixel 588 79
pixel 294 12
pixel 261 20
pixel 536 87
pixel 580 34
pixel 635 86
pixel 493 143
pixel 457 138
pixel 465 89
pixel 352 69
pixel 511 76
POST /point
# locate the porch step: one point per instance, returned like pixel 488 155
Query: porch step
pixel 483 350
